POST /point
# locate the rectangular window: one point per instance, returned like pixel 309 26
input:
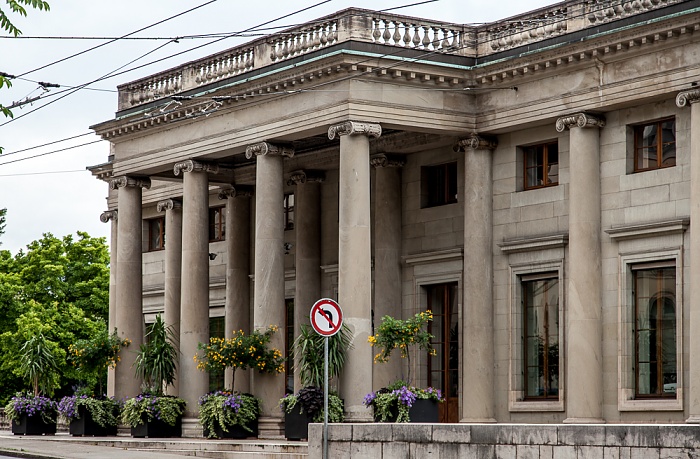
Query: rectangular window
pixel 217 222
pixel 540 298
pixel 655 145
pixel 541 165
pixel 156 234
pixel 216 330
pixel 439 185
pixel 655 330
pixel 289 211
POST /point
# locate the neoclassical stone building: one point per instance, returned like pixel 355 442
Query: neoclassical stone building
pixel 533 182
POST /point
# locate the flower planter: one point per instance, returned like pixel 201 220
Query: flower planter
pixel 235 431
pixel 422 410
pixel 157 429
pixel 296 425
pixel 33 425
pixel 85 425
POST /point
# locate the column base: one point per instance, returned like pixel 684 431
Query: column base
pixel 364 415
pixel 693 419
pixel 191 428
pixel 271 428
pixel 583 421
pixel 478 421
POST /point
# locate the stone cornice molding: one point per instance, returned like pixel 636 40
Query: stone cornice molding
pixel 191 165
pixel 476 142
pixel 168 204
pixel 267 148
pixel 240 191
pixel 372 130
pixel 304 176
pixel 581 120
pixel 128 181
pixel 384 160
pixel 689 96
pixel 108 215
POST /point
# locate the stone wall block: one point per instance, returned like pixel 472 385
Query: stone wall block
pixel 316 441
pixel 590 452
pixel 415 433
pixel 505 451
pixel 372 432
pixel 684 453
pixel 492 434
pixel 535 435
pixel 611 452
pixel 681 436
pixel 631 435
pixel 527 452
pixel 581 435
pixel 564 452
pixel 339 432
pixel 451 433
pixel 360 451
pixel 649 453
pixel 394 449
pixel 546 452
pixel 422 450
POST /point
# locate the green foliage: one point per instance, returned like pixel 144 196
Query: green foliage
pixel 94 355
pixel 308 347
pixel 392 403
pixel 146 408
pixel 31 405
pixel 104 411
pixel 226 409
pixel 309 400
pixel 241 351
pixel 3 212
pixel 16 7
pixel 156 359
pixel 38 364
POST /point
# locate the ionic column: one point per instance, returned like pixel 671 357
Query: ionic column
pixel 355 260
pixel 112 321
pixel 307 222
pixel 173 272
pixel 584 328
pixel 693 384
pixel 194 306
pixel 237 306
pixel 387 253
pixel 477 381
pixel 268 302
pixel 129 305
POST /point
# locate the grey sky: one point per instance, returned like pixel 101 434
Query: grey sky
pixel 60 196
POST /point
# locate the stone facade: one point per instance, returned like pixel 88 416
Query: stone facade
pixel 411 150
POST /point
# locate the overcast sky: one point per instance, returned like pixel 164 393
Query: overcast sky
pixel 53 192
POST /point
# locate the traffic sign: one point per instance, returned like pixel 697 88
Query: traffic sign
pixel 326 317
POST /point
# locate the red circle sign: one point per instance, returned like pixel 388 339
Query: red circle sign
pixel 326 317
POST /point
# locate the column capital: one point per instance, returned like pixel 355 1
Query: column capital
pixel 108 215
pixel 304 176
pixel 240 191
pixel 689 96
pixel 581 120
pixel 267 148
pixel 129 181
pixel 168 204
pixel 355 128
pixel 192 165
pixel 384 160
pixel 476 142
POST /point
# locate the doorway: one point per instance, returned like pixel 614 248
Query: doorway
pixel 443 368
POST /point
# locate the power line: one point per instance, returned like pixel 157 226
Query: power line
pixel 45 144
pixel 50 152
pixel 42 173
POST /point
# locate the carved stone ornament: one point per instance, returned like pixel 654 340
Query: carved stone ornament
pixel 581 120
pixel 355 128
pixel 125 180
pixel 267 148
pixel 298 177
pixel 240 191
pixel 168 204
pixel 195 166
pixel 108 215
pixel 476 142
pixel 687 97
pixel 382 160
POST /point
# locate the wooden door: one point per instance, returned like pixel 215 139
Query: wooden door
pixel 443 368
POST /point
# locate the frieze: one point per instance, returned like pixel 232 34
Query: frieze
pixel 128 181
pixel 581 120
pixel 298 177
pixel 687 97
pixel 383 160
pixel 168 204
pixel 476 142
pixel 354 128
pixel 108 215
pixel 267 148
pixel 240 191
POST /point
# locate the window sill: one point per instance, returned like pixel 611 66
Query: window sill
pixel 661 404
pixel 536 405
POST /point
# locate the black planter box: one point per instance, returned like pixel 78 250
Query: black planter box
pixel 157 429
pixel 85 425
pixel 33 425
pixel 423 410
pixel 235 431
pixel 296 425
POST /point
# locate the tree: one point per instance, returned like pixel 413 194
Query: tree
pixel 3 213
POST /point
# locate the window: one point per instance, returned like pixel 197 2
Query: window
pixel 541 165
pixel 156 234
pixel 217 224
pixel 216 330
pixel 439 185
pixel 289 211
pixel 655 145
pixel 655 330
pixel 540 298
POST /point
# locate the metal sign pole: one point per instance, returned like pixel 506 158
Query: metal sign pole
pixel 325 399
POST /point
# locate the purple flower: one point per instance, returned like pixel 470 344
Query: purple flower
pixel 369 398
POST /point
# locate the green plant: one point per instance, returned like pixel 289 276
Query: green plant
pixel 308 349
pixel 226 409
pixel 104 411
pixel 155 360
pixel 31 405
pixel 93 356
pixel 146 408
pixel 39 364
pixel 241 351
pixel 392 403
pixel 402 334
pixel 309 400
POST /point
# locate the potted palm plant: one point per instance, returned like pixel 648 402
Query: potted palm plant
pixel 152 413
pixel 307 404
pixel 230 414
